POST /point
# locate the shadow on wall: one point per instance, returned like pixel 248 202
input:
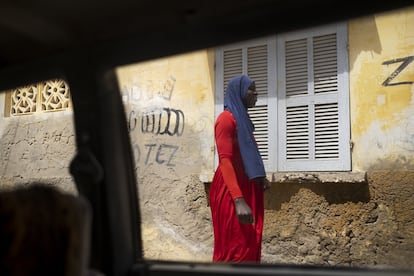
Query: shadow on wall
pixel 363 36
pixel 334 193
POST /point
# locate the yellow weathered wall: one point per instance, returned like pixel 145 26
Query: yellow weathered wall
pixel 382 117
pixel 173 205
pixel 183 83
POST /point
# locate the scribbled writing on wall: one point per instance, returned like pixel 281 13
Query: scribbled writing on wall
pixel 168 88
pixel 162 154
pixel 404 63
pixel 148 89
pixel 167 122
pixel 149 115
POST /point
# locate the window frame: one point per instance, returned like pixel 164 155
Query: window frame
pixel 276 161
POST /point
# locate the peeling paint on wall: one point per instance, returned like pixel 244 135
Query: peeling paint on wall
pixel 382 91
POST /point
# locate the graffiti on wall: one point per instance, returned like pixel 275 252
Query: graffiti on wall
pixel 167 121
pixel 148 90
pixel 162 154
pixel 149 115
pixel 404 62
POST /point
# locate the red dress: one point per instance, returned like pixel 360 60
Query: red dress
pixel 234 241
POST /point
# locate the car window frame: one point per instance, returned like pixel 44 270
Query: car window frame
pixel 103 145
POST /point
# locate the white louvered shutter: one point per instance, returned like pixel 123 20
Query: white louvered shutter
pixel 313 101
pixel 251 58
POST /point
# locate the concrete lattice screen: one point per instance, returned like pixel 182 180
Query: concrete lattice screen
pixel 46 96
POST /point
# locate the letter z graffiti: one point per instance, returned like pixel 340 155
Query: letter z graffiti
pixel 404 63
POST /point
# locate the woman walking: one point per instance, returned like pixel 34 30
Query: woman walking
pixel 237 189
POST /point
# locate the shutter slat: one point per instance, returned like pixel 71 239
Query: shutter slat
pixel 297 132
pixel 232 65
pixel 296 68
pixel 257 68
pixel 325 64
pixel 326 131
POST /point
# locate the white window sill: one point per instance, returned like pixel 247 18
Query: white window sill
pixel 306 177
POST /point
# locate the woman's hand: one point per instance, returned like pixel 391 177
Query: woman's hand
pixel 243 211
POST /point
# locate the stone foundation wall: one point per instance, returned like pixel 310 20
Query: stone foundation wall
pixel 355 224
pixel 365 224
